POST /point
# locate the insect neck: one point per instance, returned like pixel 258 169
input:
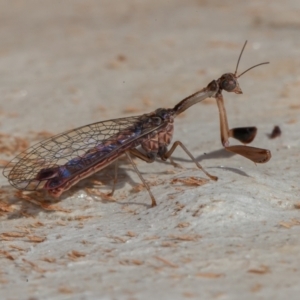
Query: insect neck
pixel 210 91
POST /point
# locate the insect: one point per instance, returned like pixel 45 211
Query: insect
pixel 59 162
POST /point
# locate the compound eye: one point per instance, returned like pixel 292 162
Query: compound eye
pixel 228 83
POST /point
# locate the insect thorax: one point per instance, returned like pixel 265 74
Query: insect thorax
pixel 163 124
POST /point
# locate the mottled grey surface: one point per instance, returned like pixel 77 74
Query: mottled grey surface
pixel 67 63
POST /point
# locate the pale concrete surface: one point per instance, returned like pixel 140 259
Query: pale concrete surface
pixel 64 64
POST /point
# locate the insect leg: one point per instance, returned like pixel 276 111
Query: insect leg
pixel 224 129
pixel 141 177
pixel 168 154
pixel 115 179
pixel 142 156
pixel 245 135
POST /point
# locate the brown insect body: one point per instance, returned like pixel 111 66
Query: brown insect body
pixel 151 142
pixel 155 143
pixel 58 163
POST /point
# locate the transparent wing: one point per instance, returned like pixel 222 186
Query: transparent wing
pixel 76 150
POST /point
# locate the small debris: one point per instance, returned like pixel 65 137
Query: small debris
pixel 168 244
pixel 167 262
pixel 49 259
pixel 65 290
pixel 131 234
pixel 188 238
pixel 118 239
pixel 297 205
pixel 6 254
pixel 289 224
pixel 130 262
pixel 183 224
pixel 190 181
pixel 150 238
pixel 82 218
pixel 36 239
pixel 276 132
pixel 36 224
pixel 16 248
pixel 76 254
pixel 262 270
pixel 34 266
pixel 285 225
pixel 12 234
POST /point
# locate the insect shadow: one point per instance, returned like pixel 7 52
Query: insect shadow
pixel 217 154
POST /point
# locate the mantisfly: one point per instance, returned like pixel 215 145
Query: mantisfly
pixel 59 162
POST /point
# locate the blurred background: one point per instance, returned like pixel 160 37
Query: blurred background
pixel 76 62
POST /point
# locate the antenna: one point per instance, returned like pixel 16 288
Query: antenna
pixel 238 62
pixel 264 63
